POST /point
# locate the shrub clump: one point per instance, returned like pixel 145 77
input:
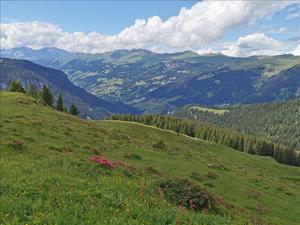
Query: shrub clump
pixel 160 145
pixel 18 145
pixel 187 194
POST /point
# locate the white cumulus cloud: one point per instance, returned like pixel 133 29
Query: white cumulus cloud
pixel 202 24
pixel 254 44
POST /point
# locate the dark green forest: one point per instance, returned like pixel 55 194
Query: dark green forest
pixel 234 139
pixel 278 122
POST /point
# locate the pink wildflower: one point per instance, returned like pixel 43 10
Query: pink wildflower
pixel 103 161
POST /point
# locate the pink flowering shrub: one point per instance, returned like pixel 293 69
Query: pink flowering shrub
pixel 103 161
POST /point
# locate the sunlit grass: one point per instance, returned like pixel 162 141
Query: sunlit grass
pixel 47 178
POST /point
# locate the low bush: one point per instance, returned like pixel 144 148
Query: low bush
pixel 18 145
pixel 187 194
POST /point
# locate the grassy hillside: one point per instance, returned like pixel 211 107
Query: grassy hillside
pixel 47 178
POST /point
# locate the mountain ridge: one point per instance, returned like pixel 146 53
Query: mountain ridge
pixel 28 72
pixel 9 51
pixel 160 83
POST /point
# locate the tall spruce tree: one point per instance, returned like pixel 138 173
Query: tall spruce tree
pixel 46 95
pixel 60 103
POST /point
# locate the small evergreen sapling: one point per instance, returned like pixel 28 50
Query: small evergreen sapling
pixel 73 110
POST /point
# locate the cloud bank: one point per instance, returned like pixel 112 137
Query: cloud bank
pixel 202 24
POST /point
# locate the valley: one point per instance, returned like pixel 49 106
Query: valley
pixel 30 73
pixel 160 83
pixel 150 112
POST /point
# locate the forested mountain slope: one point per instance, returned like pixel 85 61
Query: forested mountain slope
pixel 278 122
pixel 47 175
pixel 283 86
pixel 28 72
pixel 156 83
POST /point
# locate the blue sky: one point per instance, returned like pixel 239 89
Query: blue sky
pixel 231 27
pixel 108 17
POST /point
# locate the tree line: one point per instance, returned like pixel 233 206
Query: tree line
pixel 234 139
pixel 278 122
pixel 44 96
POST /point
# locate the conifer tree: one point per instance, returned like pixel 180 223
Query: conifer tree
pixel 73 110
pixel 46 95
pixel 16 86
pixel 65 109
pixel 60 103
pixel 32 91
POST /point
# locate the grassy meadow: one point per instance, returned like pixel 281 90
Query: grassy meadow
pixel 47 177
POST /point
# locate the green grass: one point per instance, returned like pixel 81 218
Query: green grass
pixel 204 109
pixel 273 65
pixel 276 68
pixel 49 179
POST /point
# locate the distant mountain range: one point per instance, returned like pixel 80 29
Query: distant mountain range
pixel 160 83
pixel 28 72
